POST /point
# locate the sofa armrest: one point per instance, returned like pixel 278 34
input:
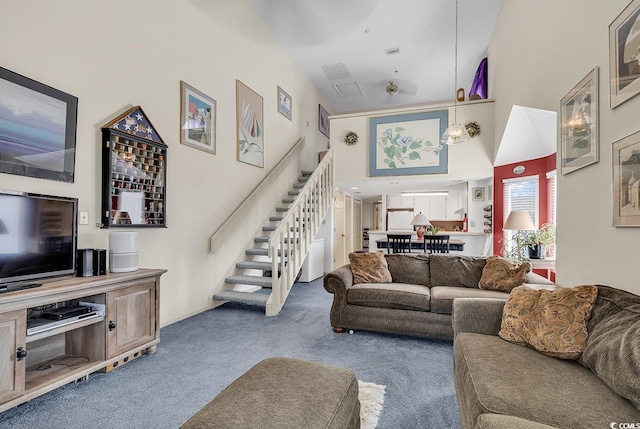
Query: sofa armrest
pixel 338 283
pixel 478 315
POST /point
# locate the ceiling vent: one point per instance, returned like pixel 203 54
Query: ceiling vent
pixel 348 89
pixel 336 71
pixel 392 88
pixel 392 51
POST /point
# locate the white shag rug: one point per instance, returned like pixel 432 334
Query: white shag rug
pixel 371 398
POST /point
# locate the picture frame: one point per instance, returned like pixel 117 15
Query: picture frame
pixel 197 119
pixel 626 186
pixel 579 125
pixel 249 126
pixel 624 63
pixel 477 194
pixel 285 103
pixel 408 144
pixel 323 120
pixel 37 129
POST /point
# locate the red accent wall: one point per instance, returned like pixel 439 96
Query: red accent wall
pixel 540 167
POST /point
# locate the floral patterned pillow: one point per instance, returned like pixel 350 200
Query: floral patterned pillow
pixel 552 322
pixel 503 274
pixel 369 268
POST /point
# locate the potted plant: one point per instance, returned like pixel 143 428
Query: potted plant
pixel 537 242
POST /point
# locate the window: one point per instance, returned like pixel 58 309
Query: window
pixel 551 204
pixel 520 194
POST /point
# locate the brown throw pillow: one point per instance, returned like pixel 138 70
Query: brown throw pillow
pixel 503 274
pixel 369 268
pixel 552 322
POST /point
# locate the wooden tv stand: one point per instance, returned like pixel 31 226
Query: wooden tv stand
pixel 31 365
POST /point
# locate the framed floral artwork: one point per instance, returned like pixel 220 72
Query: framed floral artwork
pixel 250 125
pixel 624 55
pixel 408 144
pixel 478 194
pixel 284 103
pixel 579 124
pixel 197 119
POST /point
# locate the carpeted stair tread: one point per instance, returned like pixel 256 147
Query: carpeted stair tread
pixel 269 228
pixel 282 209
pixel 275 218
pixel 254 265
pixel 253 298
pixel 293 193
pixel 249 280
pixel 298 185
pixel 288 200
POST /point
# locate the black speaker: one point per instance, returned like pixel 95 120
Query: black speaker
pixel 84 262
pixel 99 262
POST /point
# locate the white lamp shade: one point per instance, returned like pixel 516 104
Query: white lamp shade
pixel 420 219
pixel 519 220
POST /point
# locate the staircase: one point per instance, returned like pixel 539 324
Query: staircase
pixel 265 273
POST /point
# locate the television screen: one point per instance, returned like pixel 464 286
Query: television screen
pixel 37 128
pixel 37 236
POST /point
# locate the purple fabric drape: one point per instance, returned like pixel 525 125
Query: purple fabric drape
pixel 480 80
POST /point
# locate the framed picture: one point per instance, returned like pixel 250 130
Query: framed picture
pixel 250 125
pixel 626 186
pixel 323 120
pixel 624 55
pixel 579 140
pixel 284 103
pixel 197 119
pixel 478 194
pixel 408 144
pixel 37 129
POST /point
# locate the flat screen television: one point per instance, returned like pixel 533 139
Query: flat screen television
pixel 38 238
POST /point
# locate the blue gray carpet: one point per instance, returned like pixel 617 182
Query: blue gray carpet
pixel 200 356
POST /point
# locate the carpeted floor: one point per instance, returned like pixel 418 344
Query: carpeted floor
pixel 200 356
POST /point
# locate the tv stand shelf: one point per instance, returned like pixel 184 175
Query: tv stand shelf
pixel 31 365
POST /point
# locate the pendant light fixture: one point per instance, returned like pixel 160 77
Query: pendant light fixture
pixel 456 133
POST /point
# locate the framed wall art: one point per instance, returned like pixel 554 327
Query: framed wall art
pixel 626 183
pixel 579 125
pixel 478 194
pixel 624 55
pixel 284 103
pixel 37 129
pixel 323 120
pixel 250 125
pixel 197 119
pixel 408 144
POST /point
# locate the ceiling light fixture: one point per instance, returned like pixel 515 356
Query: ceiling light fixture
pixel 456 133
pixel 392 88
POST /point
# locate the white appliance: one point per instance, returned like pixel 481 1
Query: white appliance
pixel 123 251
pixel 313 265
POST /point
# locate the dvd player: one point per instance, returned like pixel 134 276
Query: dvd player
pixel 40 325
pixel 66 312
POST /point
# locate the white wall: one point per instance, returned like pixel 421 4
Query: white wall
pixel 538 52
pixel 116 54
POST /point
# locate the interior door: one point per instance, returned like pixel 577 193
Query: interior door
pixel 348 224
pixel 338 230
pixel 357 225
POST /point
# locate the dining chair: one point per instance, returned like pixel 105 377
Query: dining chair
pixel 436 243
pixel 398 243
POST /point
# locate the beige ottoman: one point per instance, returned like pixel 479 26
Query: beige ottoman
pixel 281 393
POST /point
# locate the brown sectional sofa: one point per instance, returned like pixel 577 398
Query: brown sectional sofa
pixel 500 385
pixel 418 301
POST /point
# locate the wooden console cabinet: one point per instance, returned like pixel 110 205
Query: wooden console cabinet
pixel 33 364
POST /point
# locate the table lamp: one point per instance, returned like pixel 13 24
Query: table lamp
pixel 519 221
pixel 422 221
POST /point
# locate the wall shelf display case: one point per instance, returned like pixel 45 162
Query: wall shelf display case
pixel 488 219
pixel 134 171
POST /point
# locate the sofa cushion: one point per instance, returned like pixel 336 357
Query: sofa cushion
pixel 455 270
pixel 552 322
pixel 495 376
pixel 612 351
pixel 497 421
pixel 503 274
pixel 412 269
pixel 442 296
pixel 369 268
pixel 390 295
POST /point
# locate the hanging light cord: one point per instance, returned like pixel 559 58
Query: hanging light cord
pixel 455 74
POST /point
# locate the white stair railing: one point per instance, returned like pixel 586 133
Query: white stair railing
pixel 296 231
